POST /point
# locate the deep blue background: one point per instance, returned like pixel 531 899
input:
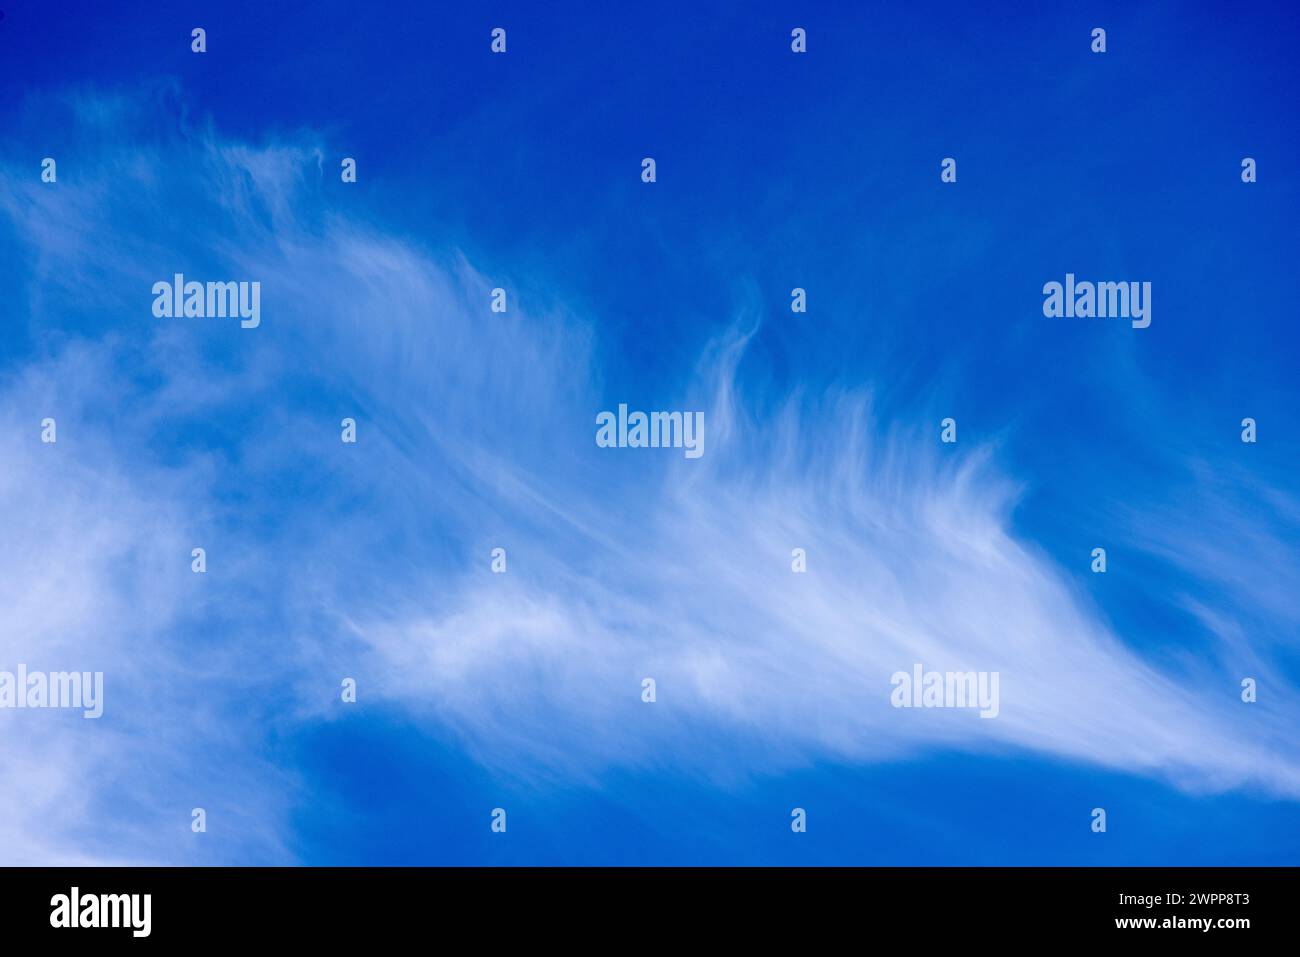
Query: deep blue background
pixel 821 171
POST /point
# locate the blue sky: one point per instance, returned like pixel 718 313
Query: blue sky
pixel 475 431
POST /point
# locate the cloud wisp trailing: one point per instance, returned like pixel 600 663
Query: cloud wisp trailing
pixel 476 431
